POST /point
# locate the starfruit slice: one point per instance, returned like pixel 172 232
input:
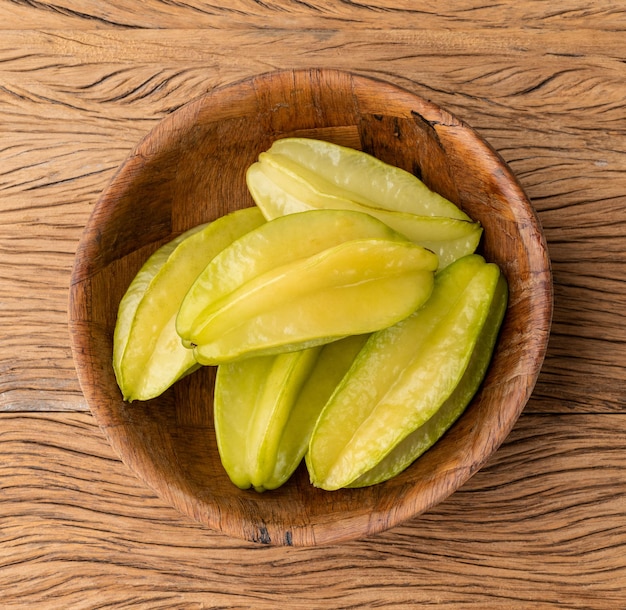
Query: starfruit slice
pixel 422 439
pixel 253 400
pixel 278 188
pixel 353 174
pixel 333 362
pixel 303 280
pixel 403 375
pixel 148 356
pixel 265 409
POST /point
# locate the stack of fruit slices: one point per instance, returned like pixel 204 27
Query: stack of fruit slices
pixel 347 312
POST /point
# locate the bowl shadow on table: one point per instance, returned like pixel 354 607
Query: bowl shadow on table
pixel 190 169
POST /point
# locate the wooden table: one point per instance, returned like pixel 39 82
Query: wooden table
pixel 542 525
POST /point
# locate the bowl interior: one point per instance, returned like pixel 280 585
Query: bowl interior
pixel 190 169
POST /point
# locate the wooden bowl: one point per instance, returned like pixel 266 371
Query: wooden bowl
pixel 189 170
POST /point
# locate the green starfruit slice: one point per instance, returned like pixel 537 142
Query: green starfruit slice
pixel 278 188
pixel 418 442
pixel 148 356
pixel 354 288
pixel 303 280
pixel 353 174
pixel 403 376
pixel 266 407
pixel 253 400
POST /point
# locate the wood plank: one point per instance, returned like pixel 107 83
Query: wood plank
pixel 542 525
pixel 382 14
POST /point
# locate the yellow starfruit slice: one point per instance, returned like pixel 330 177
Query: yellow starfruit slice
pixel 278 189
pixel 148 355
pixel 403 376
pixel 353 174
pixel 303 280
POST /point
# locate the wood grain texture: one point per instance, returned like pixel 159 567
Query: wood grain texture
pixel 80 532
pixel 81 82
pixel 296 14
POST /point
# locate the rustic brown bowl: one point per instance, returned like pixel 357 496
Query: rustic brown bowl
pixel 190 169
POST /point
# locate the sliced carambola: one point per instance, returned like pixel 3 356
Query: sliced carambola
pixel 127 310
pixel 281 241
pixel 148 355
pixel 266 407
pixel 353 174
pixel 416 443
pixel 303 280
pixel 278 188
pixel 353 288
pixel 253 399
pixel 403 375
pixel 333 362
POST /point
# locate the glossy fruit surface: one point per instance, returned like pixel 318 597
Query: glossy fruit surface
pixel 303 280
pixel 426 435
pixel 253 401
pixel 403 376
pixel 265 409
pixel 279 187
pixel 355 175
pixel 332 363
pixel 148 355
